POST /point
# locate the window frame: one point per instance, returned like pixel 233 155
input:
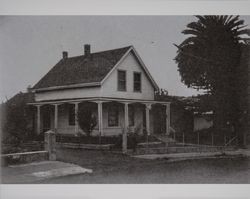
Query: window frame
pixel 118 88
pixel 138 73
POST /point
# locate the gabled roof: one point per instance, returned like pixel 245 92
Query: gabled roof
pixel 83 71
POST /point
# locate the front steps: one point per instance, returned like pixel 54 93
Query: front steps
pixel 165 139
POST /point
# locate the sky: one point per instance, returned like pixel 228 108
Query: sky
pixel 32 45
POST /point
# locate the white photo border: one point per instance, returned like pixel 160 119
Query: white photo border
pixel 125 7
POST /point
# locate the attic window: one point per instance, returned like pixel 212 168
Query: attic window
pixel 121 80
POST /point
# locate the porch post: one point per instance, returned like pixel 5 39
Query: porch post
pixel 100 122
pixel 168 119
pixel 38 127
pixel 76 118
pixel 126 123
pixel 148 108
pixel 56 117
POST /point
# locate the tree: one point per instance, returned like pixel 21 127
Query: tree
pixel 209 59
pixel 86 119
pixel 15 119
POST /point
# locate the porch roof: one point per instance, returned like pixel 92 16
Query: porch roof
pixel 100 99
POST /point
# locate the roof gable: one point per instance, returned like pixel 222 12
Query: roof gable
pixel 82 71
pixel 141 63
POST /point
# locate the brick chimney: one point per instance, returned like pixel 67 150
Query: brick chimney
pixel 87 50
pixel 65 54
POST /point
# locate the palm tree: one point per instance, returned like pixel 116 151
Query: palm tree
pixel 209 59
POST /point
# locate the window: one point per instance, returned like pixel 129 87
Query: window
pixel 121 80
pixel 71 114
pixel 131 115
pixel 113 115
pixel 137 82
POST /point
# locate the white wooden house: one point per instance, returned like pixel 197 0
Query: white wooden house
pixel 117 81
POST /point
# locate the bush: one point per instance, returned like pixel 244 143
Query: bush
pixel 15 122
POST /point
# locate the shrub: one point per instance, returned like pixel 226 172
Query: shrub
pixel 15 121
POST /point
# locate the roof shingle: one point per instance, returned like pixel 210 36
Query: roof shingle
pixel 82 69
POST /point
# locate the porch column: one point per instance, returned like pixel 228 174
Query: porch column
pixel 38 127
pixel 126 125
pixel 56 118
pixel 168 119
pixel 148 108
pixel 100 122
pixel 76 118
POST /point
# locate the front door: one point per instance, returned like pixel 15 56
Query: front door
pixel 46 119
pixel 159 118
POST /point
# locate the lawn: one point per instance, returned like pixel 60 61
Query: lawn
pixel 117 168
pixel 100 161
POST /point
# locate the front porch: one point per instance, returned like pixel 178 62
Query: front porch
pixel 114 116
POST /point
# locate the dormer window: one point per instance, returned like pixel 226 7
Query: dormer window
pixel 137 82
pixel 121 80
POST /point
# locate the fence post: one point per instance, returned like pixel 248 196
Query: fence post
pixel 124 141
pixel 237 141
pixel 212 137
pixel 183 138
pixel 147 142
pixel 198 137
pixel 50 144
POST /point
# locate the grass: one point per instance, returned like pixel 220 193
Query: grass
pixel 100 161
pixel 118 168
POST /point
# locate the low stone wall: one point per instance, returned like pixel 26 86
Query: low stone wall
pixel 26 157
pixel 23 147
pixel 49 152
pixel 85 146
